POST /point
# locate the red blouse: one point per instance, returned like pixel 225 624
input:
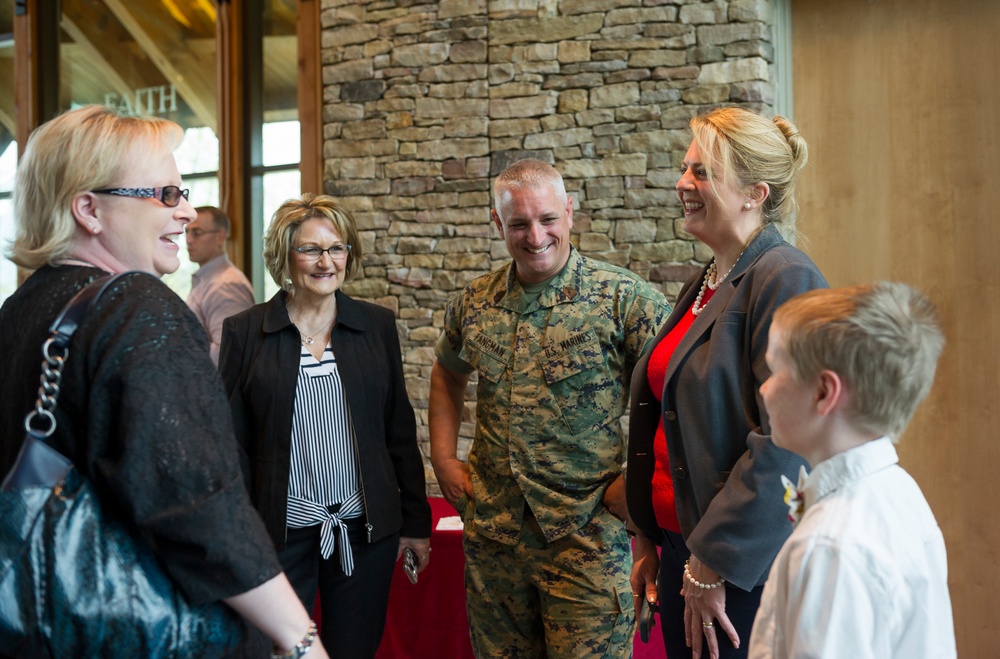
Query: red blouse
pixel 656 373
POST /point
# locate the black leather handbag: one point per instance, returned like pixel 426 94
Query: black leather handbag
pixel 74 581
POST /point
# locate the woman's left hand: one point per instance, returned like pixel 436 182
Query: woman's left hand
pixel 420 546
pixel 705 611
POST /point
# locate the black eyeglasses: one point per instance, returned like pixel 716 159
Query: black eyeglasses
pixel 312 252
pixel 170 195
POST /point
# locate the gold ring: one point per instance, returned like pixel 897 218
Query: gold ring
pixel 708 625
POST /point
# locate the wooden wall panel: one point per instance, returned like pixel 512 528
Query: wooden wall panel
pixel 230 107
pixel 900 105
pixel 310 96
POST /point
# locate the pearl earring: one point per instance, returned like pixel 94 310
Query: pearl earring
pixel 746 205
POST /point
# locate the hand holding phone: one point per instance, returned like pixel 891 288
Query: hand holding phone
pixel 646 618
pixel 410 564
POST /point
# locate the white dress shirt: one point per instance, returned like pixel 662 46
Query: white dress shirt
pixel 864 573
pixel 218 290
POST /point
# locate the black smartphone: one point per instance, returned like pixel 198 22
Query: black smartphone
pixel 647 620
pixel 410 564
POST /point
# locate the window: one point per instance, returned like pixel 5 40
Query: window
pixel 8 147
pixel 149 57
pixel 163 57
pixel 8 161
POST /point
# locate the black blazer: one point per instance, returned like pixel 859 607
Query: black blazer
pixel 259 361
pixel 726 471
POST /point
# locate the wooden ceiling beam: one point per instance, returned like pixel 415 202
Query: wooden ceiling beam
pixel 95 58
pixel 7 107
pixel 199 97
pixel 7 121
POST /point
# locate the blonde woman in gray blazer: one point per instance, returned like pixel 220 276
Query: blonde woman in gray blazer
pixel 703 477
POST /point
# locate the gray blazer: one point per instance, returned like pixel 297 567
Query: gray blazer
pixel 726 471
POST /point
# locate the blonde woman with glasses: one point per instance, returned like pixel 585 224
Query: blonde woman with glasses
pixel 328 434
pixel 141 414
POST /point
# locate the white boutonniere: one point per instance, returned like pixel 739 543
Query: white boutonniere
pixel 794 499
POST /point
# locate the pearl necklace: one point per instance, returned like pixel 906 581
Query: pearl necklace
pixel 711 282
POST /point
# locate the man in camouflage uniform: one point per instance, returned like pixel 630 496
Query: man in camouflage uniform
pixel 553 337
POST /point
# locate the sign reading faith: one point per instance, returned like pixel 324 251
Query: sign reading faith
pixel 148 100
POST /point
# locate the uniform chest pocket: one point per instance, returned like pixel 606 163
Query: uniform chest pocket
pixel 573 356
pixel 487 356
pixel 574 371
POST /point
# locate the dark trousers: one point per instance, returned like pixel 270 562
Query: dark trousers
pixel 741 606
pixel 354 607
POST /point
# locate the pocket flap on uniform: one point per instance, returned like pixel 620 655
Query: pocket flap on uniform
pixel 486 355
pixel 573 355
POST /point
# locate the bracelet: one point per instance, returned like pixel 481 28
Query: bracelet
pixel 301 648
pixel 706 586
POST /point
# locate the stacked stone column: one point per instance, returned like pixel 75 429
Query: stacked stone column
pixel 425 102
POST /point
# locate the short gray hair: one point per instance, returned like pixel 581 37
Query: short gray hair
pixel 527 173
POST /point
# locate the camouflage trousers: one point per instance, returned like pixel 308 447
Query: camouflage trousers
pixel 568 598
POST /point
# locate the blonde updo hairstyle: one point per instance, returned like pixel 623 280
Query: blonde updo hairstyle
pixel 88 148
pixel 752 149
pixel 285 223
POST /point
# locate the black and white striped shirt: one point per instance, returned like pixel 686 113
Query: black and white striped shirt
pixel 324 462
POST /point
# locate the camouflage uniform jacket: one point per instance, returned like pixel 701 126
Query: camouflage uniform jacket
pixel 553 385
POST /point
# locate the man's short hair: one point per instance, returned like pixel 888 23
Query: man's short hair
pixel 219 219
pixel 883 339
pixel 527 173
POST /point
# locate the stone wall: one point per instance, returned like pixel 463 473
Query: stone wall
pixel 425 102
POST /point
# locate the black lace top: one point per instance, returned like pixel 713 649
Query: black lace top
pixel 143 414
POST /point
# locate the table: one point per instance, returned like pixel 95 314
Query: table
pixel 428 620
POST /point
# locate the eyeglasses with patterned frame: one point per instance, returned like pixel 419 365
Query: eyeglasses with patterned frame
pixel 170 195
pixel 313 252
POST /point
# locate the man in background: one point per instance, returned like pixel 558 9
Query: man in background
pixel 218 290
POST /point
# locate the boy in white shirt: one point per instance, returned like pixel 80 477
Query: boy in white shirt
pixel 864 573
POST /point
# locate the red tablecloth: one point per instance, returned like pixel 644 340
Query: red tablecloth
pixel 428 620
